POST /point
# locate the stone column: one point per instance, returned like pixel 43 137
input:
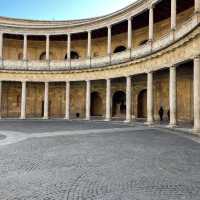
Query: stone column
pixel 197 94
pixel 151 23
pixel 69 46
pixel 47 47
pixel 130 33
pixel 1 46
pixel 0 99
pixel 67 101
pixel 25 48
pixel 46 100
pixel 150 98
pixel 173 15
pixel 89 44
pixel 197 6
pixel 128 99
pixel 109 40
pixel 108 100
pixel 172 97
pixel 23 101
pixel 88 99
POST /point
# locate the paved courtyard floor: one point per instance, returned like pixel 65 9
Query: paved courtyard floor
pixel 79 160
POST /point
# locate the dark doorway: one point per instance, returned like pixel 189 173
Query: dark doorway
pixel 96 104
pixel 119 104
pixel 120 49
pixel 142 104
pixel 74 55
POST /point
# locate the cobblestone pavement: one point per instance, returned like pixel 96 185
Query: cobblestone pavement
pixel 2 137
pixel 41 126
pixel 135 163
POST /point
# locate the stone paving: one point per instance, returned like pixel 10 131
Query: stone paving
pixel 110 161
pixel 2 137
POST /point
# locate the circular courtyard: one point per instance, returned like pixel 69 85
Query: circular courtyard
pixel 80 160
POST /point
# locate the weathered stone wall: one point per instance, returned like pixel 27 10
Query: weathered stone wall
pixel 35 103
pixel 11 99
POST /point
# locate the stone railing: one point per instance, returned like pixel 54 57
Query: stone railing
pixel 113 59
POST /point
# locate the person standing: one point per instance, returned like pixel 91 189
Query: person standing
pixel 161 113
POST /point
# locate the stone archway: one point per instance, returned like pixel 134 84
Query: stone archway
pixel 96 104
pixel 142 104
pixel 119 49
pixel 74 55
pixel 119 104
pixel 43 56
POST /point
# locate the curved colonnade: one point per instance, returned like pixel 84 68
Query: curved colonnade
pixel 159 63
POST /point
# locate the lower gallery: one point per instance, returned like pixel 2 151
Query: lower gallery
pixel 86 99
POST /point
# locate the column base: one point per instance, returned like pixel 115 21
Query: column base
pixel 22 118
pixel 107 120
pixel 171 126
pixel 87 119
pixel 196 131
pixel 45 118
pixel 150 123
pixel 172 34
pixel 127 121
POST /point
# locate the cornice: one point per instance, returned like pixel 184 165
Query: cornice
pixel 19 26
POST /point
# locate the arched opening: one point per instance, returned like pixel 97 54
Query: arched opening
pixel 119 49
pixel 96 104
pixel 74 55
pixel 143 42
pixel 20 56
pixel 119 104
pixel 142 104
pixel 43 56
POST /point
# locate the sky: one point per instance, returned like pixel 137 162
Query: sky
pixel 59 9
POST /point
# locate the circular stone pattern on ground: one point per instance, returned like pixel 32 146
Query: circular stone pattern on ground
pixel 2 137
pixel 118 181
pixel 133 164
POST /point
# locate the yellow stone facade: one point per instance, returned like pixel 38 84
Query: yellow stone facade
pixel 181 51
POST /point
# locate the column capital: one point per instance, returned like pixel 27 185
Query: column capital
pixel 196 57
pixel 109 26
pixel 130 18
pixel 150 72
pixel 108 79
pixel 173 66
pixel 151 6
